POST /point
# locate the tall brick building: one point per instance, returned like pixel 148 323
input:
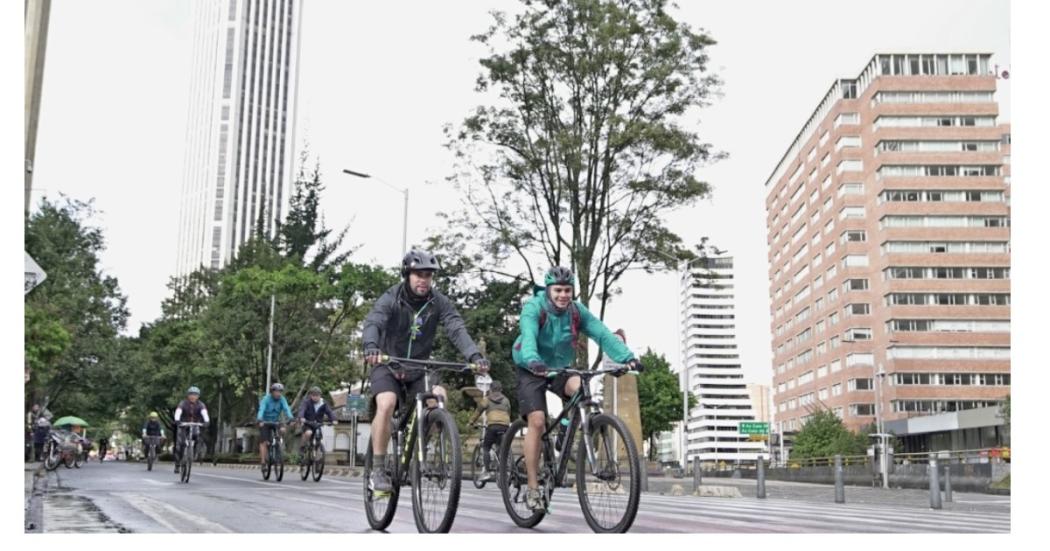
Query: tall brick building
pixel 889 246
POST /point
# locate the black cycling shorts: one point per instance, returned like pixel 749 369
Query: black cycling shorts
pixel 265 430
pixel 532 390
pixel 382 379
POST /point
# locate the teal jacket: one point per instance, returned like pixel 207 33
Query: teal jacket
pixel 270 409
pixel 553 344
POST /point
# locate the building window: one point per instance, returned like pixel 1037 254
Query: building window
pixel 858 309
pixel 857 334
pixel 836 389
pixel 860 410
pixel 860 384
pixel 855 284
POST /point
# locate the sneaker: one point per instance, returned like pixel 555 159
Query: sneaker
pixel 379 481
pixel 533 499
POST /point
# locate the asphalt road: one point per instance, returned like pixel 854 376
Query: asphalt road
pixel 119 496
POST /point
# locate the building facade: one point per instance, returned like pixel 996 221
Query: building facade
pixel 761 402
pixel 889 246
pixel 240 129
pixel 712 362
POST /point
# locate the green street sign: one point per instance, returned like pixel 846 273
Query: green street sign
pixel 753 427
pixel 356 402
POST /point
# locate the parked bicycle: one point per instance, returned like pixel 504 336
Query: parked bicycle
pixel 275 453
pixel 189 442
pixel 313 456
pixel 607 466
pixel 426 455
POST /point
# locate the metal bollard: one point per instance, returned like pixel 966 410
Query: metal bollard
pixel 948 482
pixel 840 487
pixel 935 483
pixel 696 474
pixel 761 475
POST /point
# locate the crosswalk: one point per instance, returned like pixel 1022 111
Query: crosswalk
pixel 220 500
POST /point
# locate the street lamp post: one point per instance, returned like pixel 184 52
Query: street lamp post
pixel 403 191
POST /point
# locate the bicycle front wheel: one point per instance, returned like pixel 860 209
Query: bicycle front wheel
pixel 610 489
pixel 305 463
pixel 513 479
pixel 436 477
pixel 318 459
pixel 278 463
pixel 187 461
pixel 52 457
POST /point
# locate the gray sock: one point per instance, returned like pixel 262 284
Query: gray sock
pixel 379 461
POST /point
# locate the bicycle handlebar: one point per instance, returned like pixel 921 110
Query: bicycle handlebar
pixel 429 365
pixel 587 373
pixel 190 424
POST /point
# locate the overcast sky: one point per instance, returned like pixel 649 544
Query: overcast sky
pixel 378 81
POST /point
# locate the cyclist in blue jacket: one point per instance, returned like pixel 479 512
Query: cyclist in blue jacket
pixel 270 409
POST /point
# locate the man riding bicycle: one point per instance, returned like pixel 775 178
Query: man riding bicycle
pixel 496 408
pixel 152 429
pixel 190 410
pixel 270 409
pixel 403 323
pixel 550 324
pixel 313 411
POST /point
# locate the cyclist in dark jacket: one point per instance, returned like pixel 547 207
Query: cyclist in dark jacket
pixel 190 410
pixel 152 428
pixel 311 413
pixel 404 323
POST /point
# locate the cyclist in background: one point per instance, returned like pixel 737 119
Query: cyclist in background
pixel 190 410
pixel 313 410
pixel 496 407
pixel 152 428
pixel 270 409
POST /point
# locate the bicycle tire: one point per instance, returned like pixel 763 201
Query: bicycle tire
pixel 187 461
pixel 380 521
pixel 68 460
pixel 318 463
pixel 510 480
pixel 438 420
pixel 278 463
pixel 52 458
pixel 633 486
pixel 475 467
pixel 305 464
pixel 151 456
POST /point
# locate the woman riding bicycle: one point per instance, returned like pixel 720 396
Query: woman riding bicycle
pixel 550 325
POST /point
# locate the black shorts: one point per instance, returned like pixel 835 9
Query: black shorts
pixel 493 435
pixel 264 432
pixel 382 379
pixel 532 390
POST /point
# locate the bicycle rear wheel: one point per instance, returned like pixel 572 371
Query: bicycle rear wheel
pixel 436 479
pixel 609 497
pixel 381 506
pixel 513 480
pixel 476 464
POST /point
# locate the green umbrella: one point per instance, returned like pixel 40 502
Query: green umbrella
pixel 71 420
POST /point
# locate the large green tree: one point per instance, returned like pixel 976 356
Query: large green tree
pixel 590 142
pixel 659 398
pixel 73 319
pixel 824 435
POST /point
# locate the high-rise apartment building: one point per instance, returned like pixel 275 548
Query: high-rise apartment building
pixel 240 130
pixel 889 246
pixel 712 362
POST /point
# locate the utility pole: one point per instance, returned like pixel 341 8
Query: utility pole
pixel 269 353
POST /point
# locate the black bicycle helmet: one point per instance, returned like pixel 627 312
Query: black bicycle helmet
pixel 559 275
pixel 419 260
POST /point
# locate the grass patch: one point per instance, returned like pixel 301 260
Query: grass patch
pixel 1003 484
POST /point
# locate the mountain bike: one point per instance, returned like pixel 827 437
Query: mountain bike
pixel 189 442
pixel 313 457
pixel 607 467
pixel 274 453
pixel 152 442
pixel 425 451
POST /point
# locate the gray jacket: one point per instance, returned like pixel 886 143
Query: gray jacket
pixel 389 326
